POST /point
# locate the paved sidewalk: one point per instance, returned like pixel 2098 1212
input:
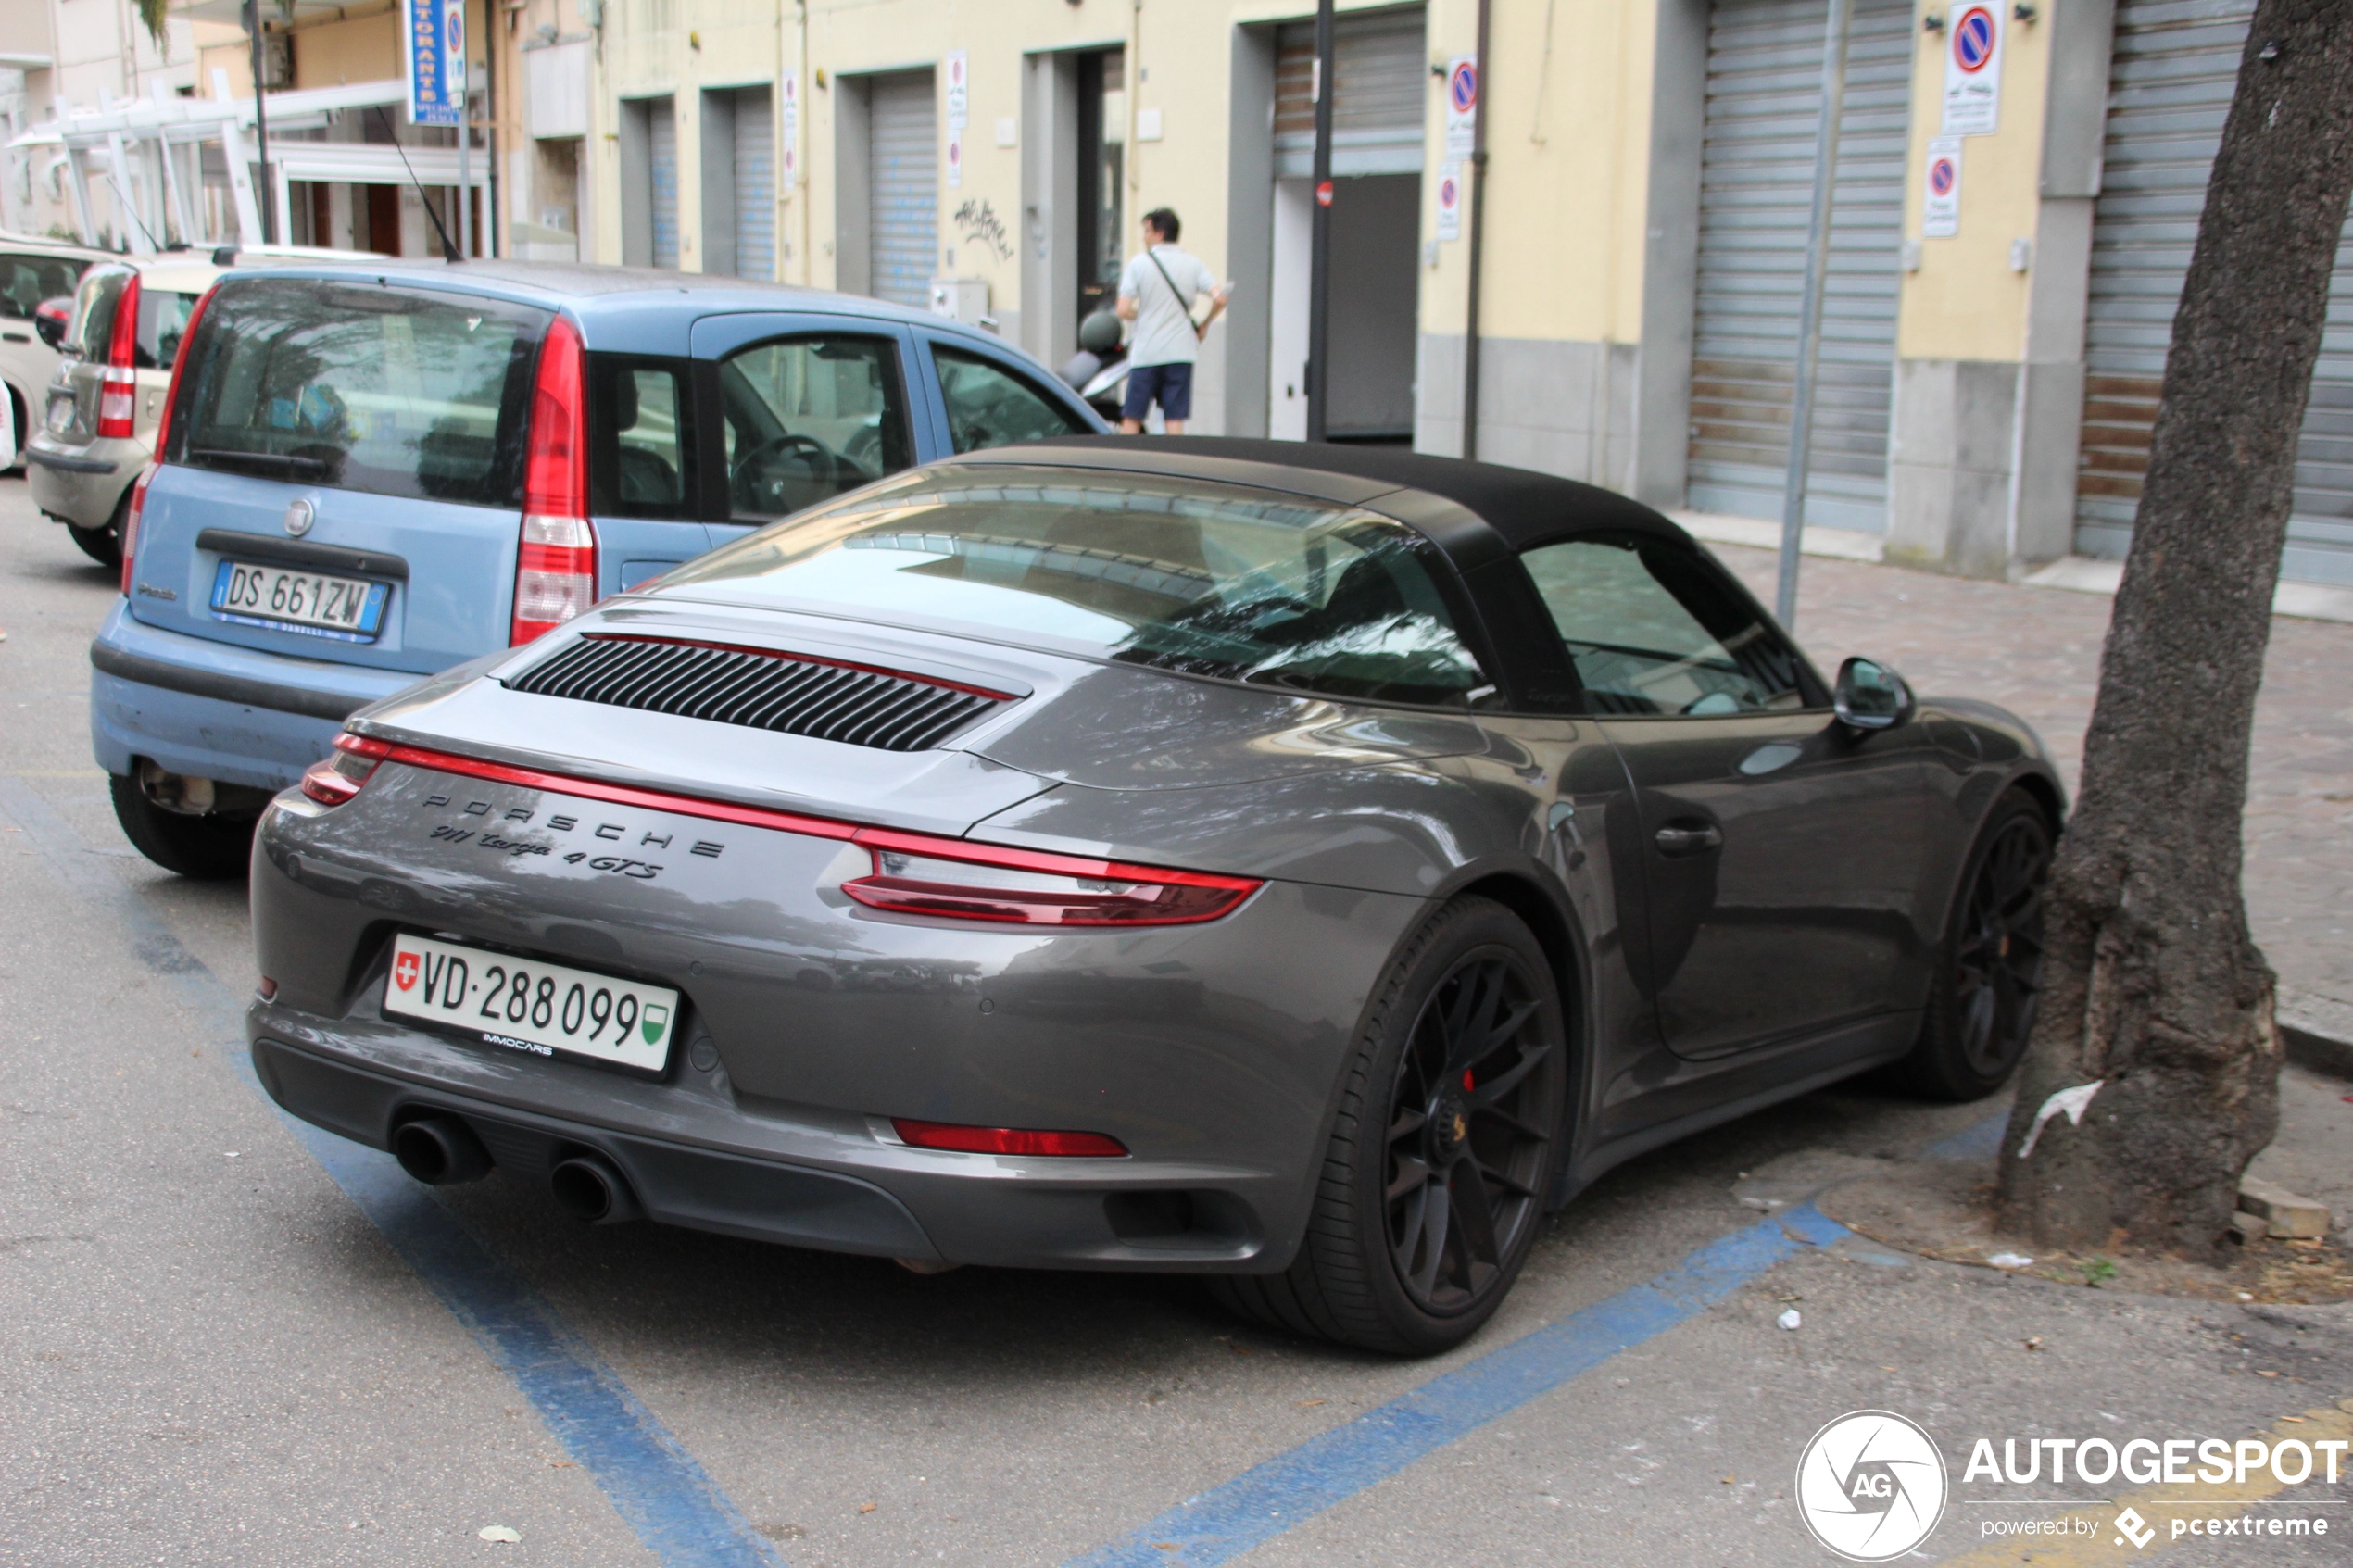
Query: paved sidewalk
pixel 2037 651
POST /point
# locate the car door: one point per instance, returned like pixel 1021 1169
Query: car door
pixel 984 400
pixel 795 409
pixel 26 363
pixel 1781 851
pixel 644 468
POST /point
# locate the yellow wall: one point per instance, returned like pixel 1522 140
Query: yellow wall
pixel 1567 146
pixel 1965 302
pixel 361 49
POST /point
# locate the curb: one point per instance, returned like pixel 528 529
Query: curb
pixel 2318 1032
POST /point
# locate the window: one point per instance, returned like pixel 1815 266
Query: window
pixel 807 418
pixel 1651 631
pixel 639 438
pixel 91 333
pixel 1175 574
pixel 362 387
pixel 163 318
pixel 989 406
pixel 26 280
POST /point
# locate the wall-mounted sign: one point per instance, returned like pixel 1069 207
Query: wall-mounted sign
pixel 959 101
pixel 1462 106
pixel 1940 189
pixel 1450 201
pixel 434 61
pixel 1972 69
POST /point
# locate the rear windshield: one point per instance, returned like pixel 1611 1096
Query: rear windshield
pixel 163 317
pixel 358 386
pixel 1202 579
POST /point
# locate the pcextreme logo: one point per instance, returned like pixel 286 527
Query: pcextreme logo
pixel 1870 1486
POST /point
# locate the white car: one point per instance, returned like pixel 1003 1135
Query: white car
pixel 32 269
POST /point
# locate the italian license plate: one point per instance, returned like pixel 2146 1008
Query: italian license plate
pixel 530 1006
pixel 347 609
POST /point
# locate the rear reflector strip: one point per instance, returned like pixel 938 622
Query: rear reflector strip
pixel 955 879
pixel 1008 1140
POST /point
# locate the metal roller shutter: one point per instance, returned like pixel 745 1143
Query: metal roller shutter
pixel 2175 68
pixel 1383 67
pixel 663 143
pixel 755 186
pixel 1764 89
pixel 904 146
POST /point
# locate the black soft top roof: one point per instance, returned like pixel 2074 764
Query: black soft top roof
pixel 1524 507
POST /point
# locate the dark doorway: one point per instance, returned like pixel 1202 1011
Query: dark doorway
pixel 383 219
pixel 1102 178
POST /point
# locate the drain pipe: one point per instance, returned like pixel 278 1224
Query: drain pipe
pixel 1478 229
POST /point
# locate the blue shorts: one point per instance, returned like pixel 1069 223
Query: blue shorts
pixel 1171 384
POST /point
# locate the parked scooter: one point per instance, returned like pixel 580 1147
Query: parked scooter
pixel 1098 370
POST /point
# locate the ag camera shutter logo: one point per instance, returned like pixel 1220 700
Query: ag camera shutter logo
pixel 1871 1486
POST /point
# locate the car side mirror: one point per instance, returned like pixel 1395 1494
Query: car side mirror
pixel 1871 696
pixel 49 319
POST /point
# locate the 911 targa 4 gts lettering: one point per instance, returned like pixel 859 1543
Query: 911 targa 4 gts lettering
pixel 1300 866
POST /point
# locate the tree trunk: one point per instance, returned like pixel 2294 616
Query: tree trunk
pixel 2155 1002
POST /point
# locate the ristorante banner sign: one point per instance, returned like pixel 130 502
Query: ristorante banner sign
pixel 434 61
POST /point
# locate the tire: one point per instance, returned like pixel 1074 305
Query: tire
pixel 202 848
pixel 1982 1000
pixel 101 545
pixel 104 544
pixel 1430 1196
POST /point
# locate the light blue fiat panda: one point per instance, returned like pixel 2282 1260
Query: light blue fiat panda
pixel 366 476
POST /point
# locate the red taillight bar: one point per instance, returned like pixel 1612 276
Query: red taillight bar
pixel 119 384
pixel 556 556
pixel 1007 1140
pixel 346 771
pixel 1217 895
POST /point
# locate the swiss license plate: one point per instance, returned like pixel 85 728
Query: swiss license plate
pixel 530 1006
pixel 348 608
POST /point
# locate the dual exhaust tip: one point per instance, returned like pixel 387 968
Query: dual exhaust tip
pixel 444 1151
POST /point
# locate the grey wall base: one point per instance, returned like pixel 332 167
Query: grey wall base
pixel 1981 479
pixel 1556 406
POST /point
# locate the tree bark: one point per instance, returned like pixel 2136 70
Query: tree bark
pixel 2153 989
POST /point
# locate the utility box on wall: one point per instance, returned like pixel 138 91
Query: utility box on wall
pixel 961 299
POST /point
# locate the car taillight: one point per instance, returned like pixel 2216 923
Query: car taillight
pixel 1007 1140
pixel 918 875
pixel 118 389
pixel 129 541
pixel 556 560
pixel 339 776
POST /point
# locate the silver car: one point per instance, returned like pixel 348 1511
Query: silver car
pixel 1299 865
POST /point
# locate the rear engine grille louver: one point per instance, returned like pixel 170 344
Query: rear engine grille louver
pixel 764 691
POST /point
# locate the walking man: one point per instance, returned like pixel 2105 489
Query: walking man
pixel 1156 291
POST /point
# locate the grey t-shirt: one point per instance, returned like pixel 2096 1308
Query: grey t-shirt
pixel 1163 316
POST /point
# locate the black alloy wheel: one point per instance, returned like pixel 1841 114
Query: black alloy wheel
pixel 1450 1124
pixel 1980 1013
pixel 1469 1134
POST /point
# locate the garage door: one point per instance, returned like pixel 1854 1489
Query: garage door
pixel 663 155
pixel 904 147
pixel 2176 65
pixel 755 186
pixel 1383 67
pixel 1763 90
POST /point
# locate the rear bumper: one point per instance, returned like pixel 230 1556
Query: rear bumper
pixel 678 1183
pixel 212 711
pixel 1213 1052
pixel 80 484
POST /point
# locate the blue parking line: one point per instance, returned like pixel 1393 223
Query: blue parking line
pixel 652 1482
pixel 1226 1521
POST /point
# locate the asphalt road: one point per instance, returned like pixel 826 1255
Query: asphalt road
pixel 209 1354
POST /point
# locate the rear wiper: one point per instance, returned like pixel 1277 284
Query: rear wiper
pixel 288 460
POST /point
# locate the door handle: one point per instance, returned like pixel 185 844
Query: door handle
pixel 1689 840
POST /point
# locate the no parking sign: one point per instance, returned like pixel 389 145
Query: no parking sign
pixel 1972 69
pixel 1462 106
pixel 1940 189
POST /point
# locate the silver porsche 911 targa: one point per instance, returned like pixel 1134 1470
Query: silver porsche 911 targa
pixel 1301 866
